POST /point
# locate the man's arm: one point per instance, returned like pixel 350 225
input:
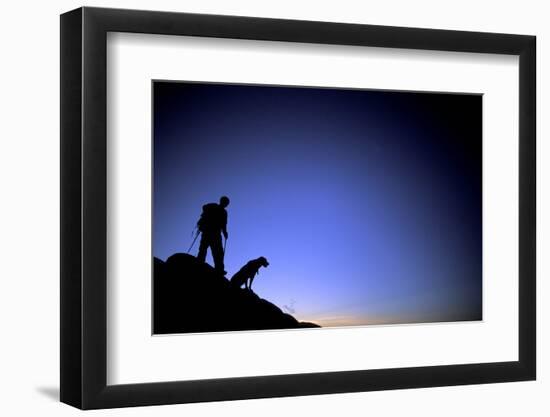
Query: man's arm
pixel 224 228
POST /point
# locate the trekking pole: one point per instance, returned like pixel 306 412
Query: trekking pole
pixel 194 240
pixel 224 243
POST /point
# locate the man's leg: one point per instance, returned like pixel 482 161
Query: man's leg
pixel 203 247
pixel 217 253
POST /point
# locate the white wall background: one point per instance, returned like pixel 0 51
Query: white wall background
pixel 29 226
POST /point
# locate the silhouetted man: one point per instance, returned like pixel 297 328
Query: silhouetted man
pixel 212 224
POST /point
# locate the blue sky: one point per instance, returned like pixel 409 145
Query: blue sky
pixel 367 204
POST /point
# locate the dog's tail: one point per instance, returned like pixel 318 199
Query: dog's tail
pixel 233 282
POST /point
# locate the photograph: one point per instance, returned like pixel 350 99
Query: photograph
pixel 312 207
pixel 260 204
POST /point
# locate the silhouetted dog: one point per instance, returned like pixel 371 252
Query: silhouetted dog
pixel 248 272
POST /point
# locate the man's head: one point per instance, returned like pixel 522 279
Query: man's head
pixel 224 201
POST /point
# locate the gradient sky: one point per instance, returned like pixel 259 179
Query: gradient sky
pixel 367 204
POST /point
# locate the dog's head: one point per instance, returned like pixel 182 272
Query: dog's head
pixel 262 261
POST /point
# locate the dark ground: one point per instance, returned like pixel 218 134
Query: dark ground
pixel 190 297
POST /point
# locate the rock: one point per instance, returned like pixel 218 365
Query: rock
pixel 191 297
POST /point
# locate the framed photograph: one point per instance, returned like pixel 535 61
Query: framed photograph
pixel 257 208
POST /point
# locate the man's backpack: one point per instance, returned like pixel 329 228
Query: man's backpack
pixel 209 217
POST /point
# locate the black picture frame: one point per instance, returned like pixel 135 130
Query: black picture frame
pixel 84 207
